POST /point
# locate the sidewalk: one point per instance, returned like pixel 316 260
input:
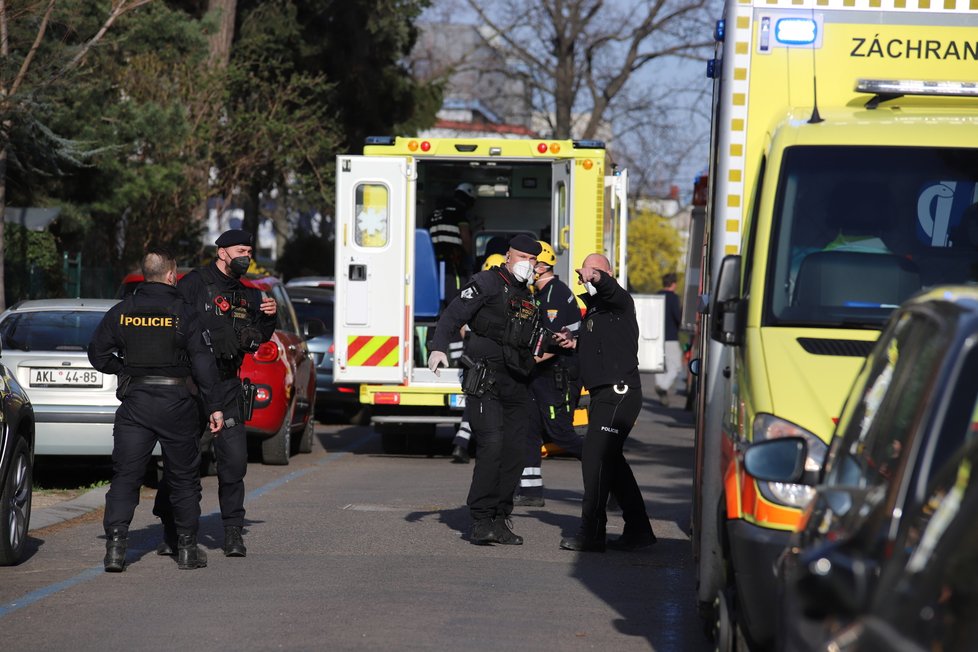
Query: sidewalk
pixel 61 512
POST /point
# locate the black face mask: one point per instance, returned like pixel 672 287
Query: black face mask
pixel 238 266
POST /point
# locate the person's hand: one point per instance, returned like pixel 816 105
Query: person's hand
pixel 435 359
pixel 268 305
pixel 216 421
pixel 565 339
pixel 588 275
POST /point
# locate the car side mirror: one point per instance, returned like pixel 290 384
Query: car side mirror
pixel 313 328
pixel 778 460
pixel 726 309
pixel 834 579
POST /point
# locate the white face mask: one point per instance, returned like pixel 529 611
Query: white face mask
pixel 591 290
pixel 523 270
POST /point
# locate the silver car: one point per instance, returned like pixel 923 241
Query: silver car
pixel 45 347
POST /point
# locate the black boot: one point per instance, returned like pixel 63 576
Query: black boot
pixel 588 539
pixel 116 541
pixel 460 454
pixel 168 546
pixel 633 540
pixel 233 543
pixel 483 533
pixel 189 554
pixel 504 534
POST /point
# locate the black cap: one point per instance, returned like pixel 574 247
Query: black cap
pixel 526 244
pixel 234 237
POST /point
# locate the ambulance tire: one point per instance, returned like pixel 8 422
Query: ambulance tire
pixel 724 633
pixel 275 450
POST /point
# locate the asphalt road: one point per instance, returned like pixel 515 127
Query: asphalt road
pixel 350 549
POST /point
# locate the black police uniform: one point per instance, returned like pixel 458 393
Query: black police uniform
pixel 445 224
pixel 554 387
pixel 491 303
pixel 156 339
pixel 230 311
pixel 607 347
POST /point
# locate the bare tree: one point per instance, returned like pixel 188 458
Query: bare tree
pixel 14 99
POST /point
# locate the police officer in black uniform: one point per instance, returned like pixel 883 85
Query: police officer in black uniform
pixel 501 316
pixel 608 348
pixel 554 383
pixel 153 340
pixel 239 319
pixel 449 228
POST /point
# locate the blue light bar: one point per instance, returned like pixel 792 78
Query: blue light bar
pixel 720 30
pixel 795 31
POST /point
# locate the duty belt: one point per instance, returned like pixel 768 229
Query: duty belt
pixel 159 380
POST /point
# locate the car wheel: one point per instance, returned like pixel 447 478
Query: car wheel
pixel 15 505
pixel 276 449
pixel 725 634
pixel 308 436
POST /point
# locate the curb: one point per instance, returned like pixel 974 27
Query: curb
pixel 87 502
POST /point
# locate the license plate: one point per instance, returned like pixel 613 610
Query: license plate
pixel 456 400
pixel 65 378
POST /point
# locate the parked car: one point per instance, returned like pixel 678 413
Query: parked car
pixel 45 347
pixel 325 282
pixel 912 408
pixel 16 467
pixel 317 303
pixel 283 372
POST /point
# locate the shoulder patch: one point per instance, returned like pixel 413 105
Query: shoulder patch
pixel 470 291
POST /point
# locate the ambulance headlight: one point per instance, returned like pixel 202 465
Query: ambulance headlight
pixel 768 426
pixel 795 31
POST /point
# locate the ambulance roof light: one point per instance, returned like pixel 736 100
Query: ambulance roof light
pixel 795 31
pixel 588 144
pixel 719 31
pixel 379 140
pixel 896 87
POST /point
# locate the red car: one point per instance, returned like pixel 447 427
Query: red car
pixel 284 376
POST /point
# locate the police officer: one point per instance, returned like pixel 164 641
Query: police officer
pixel 153 340
pixel 608 348
pixel 449 227
pixel 501 316
pixel 554 382
pixel 239 319
pixel 460 444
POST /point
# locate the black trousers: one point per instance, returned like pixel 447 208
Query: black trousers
pixel 551 413
pixel 499 423
pixel 611 416
pixel 151 413
pixel 230 447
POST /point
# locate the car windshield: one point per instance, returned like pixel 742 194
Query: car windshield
pixel 858 230
pixel 50 330
pixel 322 310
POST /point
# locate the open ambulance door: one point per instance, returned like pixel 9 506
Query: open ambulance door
pixel 616 235
pixel 374 217
pixel 560 227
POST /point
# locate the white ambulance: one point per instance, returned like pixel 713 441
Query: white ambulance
pixel 388 282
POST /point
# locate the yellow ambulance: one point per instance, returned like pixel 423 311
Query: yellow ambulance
pixel 389 285
pixel 843 179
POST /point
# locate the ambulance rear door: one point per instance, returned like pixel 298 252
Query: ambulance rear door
pixel 374 219
pixel 616 233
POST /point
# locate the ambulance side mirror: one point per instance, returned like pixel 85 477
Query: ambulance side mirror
pixel 726 308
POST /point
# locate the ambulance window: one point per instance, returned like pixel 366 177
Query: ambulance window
pixel 371 226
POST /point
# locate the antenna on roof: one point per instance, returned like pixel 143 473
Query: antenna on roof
pixel 815 118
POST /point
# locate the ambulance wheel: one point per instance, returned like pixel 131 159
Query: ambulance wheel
pixel 725 633
pixel 275 450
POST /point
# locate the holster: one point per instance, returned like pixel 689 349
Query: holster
pixel 477 377
pixel 561 379
pixel 123 388
pixel 248 391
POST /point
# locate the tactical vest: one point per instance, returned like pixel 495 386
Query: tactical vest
pixel 509 318
pixel 227 314
pixel 151 335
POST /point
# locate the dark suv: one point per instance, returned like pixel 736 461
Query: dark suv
pixel 16 468
pixel 894 460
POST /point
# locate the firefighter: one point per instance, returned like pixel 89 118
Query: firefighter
pixel 153 340
pixel 239 319
pixel 554 383
pixel 501 316
pixel 449 227
pixel 608 348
